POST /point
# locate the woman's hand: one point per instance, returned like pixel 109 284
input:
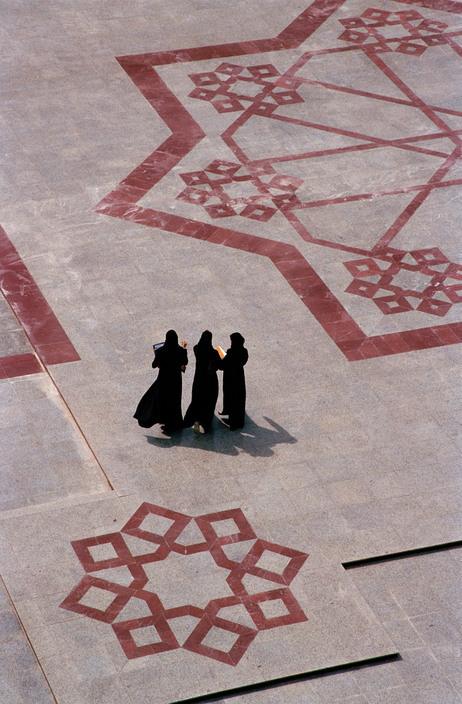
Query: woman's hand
pixel 184 344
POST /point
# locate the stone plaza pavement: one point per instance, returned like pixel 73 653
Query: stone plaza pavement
pixel 290 171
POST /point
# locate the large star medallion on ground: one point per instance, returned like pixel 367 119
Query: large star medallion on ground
pixel 121 588
pixel 322 149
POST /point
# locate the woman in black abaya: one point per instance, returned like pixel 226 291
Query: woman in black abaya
pixel 205 385
pixel 234 393
pixel 162 401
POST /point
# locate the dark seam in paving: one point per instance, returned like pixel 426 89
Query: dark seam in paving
pixel 403 554
pixel 14 610
pixel 289 679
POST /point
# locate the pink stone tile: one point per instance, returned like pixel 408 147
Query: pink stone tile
pixel 19 365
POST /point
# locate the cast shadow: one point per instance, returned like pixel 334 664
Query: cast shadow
pixel 254 440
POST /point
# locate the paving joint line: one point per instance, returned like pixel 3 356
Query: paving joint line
pixel 48 373
pixel 82 434
pixel 401 555
pixel 289 679
pixel 2 582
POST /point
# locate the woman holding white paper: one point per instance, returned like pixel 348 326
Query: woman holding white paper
pixel 162 401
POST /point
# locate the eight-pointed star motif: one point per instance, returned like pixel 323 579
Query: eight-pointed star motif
pixel 222 629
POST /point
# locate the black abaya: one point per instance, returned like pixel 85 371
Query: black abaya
pixel 205 384
pixel 162 401
pixel 234 392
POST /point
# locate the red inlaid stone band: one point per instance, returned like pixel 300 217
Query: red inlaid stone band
pixel 47 337
pixel 19 365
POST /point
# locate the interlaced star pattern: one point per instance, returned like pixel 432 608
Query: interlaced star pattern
pixel 434 283
pixel 271 191
pixel 406 32
pixel 302 135
pixel 219 530
pixel 232 88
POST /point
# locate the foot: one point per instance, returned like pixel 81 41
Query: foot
pixel 196 427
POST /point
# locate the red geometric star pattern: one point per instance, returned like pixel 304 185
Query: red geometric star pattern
pixel 231 88
pixel 280 187
pixel 158 624
pixel 268 186
pixel 412 34
pixel 440 281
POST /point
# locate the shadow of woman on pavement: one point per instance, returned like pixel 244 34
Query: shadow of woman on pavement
pixel 254 440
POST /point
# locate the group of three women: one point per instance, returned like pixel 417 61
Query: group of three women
pixel 162 402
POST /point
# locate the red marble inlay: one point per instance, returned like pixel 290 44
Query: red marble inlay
pixel 259 189
pixel 244 637
pixel 294 613
pixel 47 337
pixel 161 636
pixel 125 629
pixel 83 551
pixel 121 597
pixel 19 365
pixel 440 281
pixel 420 33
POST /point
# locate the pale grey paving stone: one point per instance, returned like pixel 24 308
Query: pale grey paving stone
pixel 9 692
pixel 429 641
pixel 441 692
pixel 441 528
pixel 39 445
pixel 14 342
pixel 8 319
pixel 403 634
pixel 444 501
pixel 348 492
pixel 394 695
pixel 21 681
pixel 402 580
pixel 328 523
pixel 451 662
pixel 336 687
pixel 419 665
pixel 291 693
pixel 376 593
pixel 383 676
pixel 272 695
pixel 29 388
pixel 12 495
pixel 10 628
pixel 365 516
pixel 443 571
pixel 439 628
pixel 11 414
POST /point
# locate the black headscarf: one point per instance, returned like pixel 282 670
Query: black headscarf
pixel 205 339
pixel 171 340
pixel 236 339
